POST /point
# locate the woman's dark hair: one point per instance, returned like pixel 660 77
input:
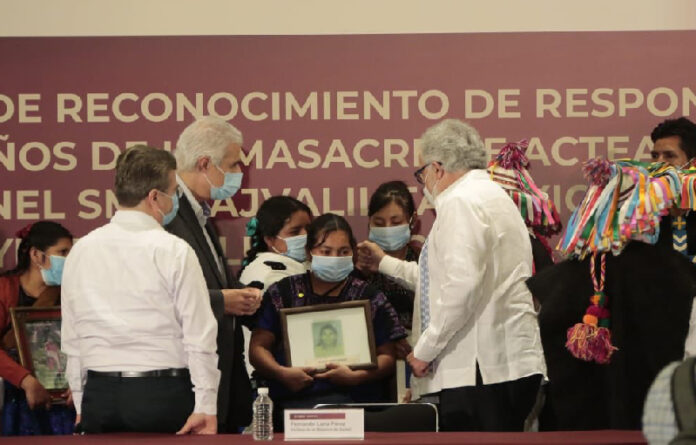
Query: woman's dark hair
pixel 41 235
pixel 273 214
pixel 321 227
pixel 681 127
pixel 393 191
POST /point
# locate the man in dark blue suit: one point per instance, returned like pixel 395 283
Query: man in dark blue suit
pixel 208 155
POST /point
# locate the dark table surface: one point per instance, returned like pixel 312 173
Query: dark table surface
pixel 564 437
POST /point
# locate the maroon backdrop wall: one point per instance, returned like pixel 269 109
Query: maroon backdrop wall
pixel 327 118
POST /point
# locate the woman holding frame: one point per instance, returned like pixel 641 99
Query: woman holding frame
pixel 35 282
pixel 330 246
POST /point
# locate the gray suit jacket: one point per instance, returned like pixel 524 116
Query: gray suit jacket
pixel 234 394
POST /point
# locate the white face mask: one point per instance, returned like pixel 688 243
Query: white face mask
pixel 430 196
pixel 686 165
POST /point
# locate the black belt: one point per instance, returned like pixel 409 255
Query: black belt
pixel 171 372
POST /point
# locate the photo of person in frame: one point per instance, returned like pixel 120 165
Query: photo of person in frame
pixel 328 338
pixel 48 361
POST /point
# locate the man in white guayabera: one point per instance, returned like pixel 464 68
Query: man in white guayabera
pixel 475 333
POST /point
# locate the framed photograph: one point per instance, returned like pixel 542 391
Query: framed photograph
pixel 37 331
pixel 329 333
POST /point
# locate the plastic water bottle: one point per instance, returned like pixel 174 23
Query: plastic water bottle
pixel 263 416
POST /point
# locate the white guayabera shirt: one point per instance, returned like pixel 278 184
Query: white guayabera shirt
pixel 478 308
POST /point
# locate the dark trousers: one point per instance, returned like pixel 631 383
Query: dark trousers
pixel 140 404
pixel 496 407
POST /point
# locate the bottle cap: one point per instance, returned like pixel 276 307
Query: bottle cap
pixel 263 390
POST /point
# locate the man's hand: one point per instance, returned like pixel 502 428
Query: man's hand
pixel 37 396
pixel 369 256
pixel 420 368
pixel 297 379
pixel 242 301
pixel 341 375
pixel 198 423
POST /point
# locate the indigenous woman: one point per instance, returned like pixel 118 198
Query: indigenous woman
pixel 392 215
pixel 330 245
pixel 35 282
pixel 278 235
pixel 278 239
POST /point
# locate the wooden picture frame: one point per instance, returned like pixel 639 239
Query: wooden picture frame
pixel 338 333
pixel 37 332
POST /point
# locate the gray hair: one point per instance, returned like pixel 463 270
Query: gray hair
pixel 455 144
pixel 208 136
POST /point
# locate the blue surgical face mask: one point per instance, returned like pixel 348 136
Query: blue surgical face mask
pixel 296 247
pixel 332 269
pixel 392 238
pixel 232 184
pixel 169 217
pixel 53 276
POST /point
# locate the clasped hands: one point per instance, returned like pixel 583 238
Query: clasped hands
pixel 244 301
pixel 298 378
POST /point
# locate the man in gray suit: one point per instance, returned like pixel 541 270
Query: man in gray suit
pixel 208 155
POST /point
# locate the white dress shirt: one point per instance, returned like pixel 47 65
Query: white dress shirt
pixel 202 220
pixel 480 309
pixel 134 299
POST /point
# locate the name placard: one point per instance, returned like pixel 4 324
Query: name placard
pixel 308 424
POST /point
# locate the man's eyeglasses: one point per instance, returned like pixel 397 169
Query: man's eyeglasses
pixel 419 173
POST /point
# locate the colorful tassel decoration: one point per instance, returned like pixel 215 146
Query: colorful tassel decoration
pixel 598 171
pixel 509 170
pixel 688 189
pixel 513 155
pixel 590 343
pixel 591 340
pixel 625 201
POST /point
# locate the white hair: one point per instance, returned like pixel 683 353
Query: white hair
pixel 454 144
pixel 208 136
